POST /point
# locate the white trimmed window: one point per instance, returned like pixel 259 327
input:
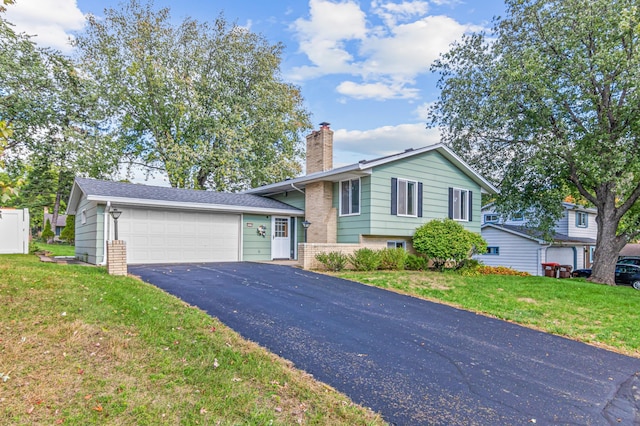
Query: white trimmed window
pixel 407 198
pixel 460 204
pixel 350 197
pixel 397 244
pixel 582 220
pixel 491 218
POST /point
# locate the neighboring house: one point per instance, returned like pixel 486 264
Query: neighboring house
pixel 14 231
pixel 510 243
pixel 375 203
pixel 59 225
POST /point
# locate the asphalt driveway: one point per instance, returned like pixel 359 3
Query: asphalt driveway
pixel 413 361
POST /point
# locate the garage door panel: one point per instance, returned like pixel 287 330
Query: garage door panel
pixel 155 236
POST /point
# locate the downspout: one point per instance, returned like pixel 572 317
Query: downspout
pixel 297 189
pixel 105 232
pixel 540 250
pixel 575 258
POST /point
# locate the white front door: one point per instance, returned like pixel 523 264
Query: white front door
pixel 280 238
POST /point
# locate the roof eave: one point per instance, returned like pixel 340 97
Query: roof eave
pixel 137 202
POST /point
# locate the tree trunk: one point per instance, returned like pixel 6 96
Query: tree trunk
pixel 608 246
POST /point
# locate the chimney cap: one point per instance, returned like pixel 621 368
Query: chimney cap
pixel 324 124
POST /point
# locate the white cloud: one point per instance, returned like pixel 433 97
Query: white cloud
pixel 379 91
pixel 411 48
pixel 384 59
pixel 391 13
pixel 323 36
pixel 352 146
pixel 51 22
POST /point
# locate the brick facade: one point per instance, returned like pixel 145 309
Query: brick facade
pixel 117 257
pixel 320 212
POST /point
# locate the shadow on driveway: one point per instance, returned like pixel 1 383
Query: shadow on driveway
pixel 413 361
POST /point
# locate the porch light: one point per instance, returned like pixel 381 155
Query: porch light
pixel 306 224
pixel 115 214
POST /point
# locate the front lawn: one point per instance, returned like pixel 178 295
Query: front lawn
pixel 78 346
pixel 57 249
pixel 597 314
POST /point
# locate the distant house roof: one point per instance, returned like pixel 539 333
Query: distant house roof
pixel 157 196
pixel 568 206
pixel 364 168
pixel 536 235
pixel 630 250
pixel 62 219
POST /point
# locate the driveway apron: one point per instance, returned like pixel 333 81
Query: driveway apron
pixel 413 361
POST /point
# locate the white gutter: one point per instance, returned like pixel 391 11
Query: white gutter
pixel 105 232
pixel 197 206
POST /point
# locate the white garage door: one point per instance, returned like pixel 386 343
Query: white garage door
pixel 561 255
pixel 157 236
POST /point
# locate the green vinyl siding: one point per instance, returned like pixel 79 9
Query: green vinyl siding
pixel 255 247
pixel 351 227
pixel 293 198
pixel 89 242
pixel 437 175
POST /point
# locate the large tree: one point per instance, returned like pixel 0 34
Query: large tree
pixel 203 102
pixel 547 105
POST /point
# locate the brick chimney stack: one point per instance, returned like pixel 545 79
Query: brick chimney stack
pixel 318 196
pixel 320 149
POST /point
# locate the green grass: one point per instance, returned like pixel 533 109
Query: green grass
pixel 59 249
pixel 78 347
pixel 596 314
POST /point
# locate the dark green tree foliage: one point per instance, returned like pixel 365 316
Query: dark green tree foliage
pixel 548 105
pixel 47 233
pixel 447 242
pixel 204 102
pixel 69 232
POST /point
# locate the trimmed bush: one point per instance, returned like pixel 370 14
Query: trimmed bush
pixel 47 233
pixel 392 258
pixel 69 232
pixel 416 263
pixel 365 259
pixel 447 242
pixel 333 261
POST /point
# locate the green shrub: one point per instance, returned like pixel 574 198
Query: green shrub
pixel 416 263
pixel 333 261
pixel 447 242
pixel 365 259
pixel 469 267
pixel 69 232
pixel 392 258
pixel 47 233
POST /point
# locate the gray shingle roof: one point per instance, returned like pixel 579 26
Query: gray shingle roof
pixel 558 238
pixel 109 189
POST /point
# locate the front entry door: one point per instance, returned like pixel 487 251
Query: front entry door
pixel 281 240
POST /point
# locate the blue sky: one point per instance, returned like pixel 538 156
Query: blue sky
pixel 363 65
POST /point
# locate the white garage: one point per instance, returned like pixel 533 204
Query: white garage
pixel 167 236
pixel 171 225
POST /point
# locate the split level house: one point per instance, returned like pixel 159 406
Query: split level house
pixel 373 203
pixel 511 243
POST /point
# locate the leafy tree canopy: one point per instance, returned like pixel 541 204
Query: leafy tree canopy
pixel 204 102
pixel 548 105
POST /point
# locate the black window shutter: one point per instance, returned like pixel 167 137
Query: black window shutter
pixel 450 203
pixel 470 206
pixel 419 199
pixel 394 196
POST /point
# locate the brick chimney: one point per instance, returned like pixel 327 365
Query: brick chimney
pixel 320 149
pixel 319 208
